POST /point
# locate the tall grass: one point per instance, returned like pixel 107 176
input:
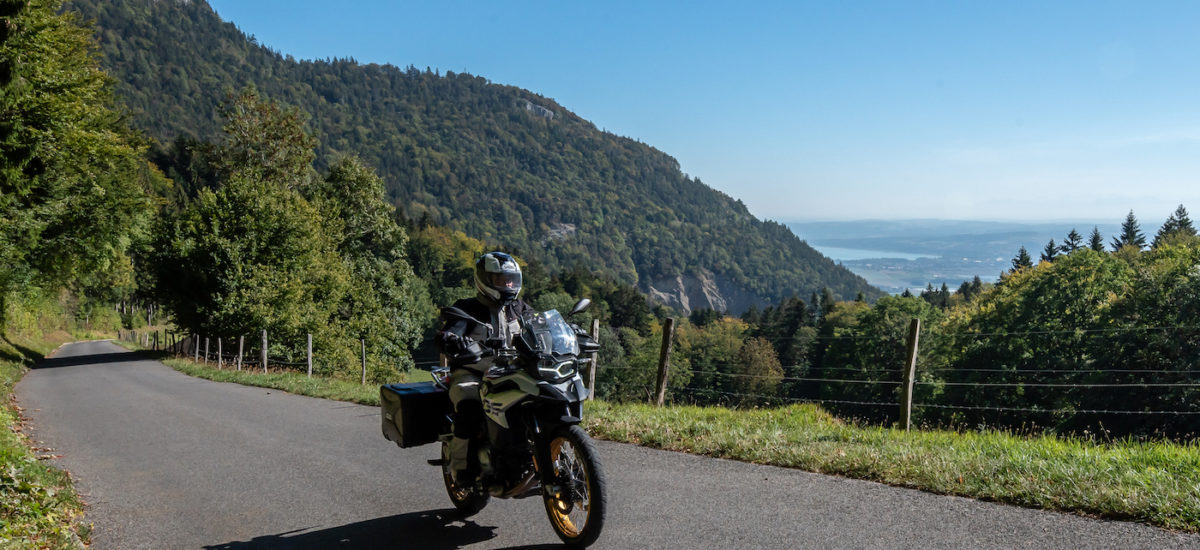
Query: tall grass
pixel 1152 482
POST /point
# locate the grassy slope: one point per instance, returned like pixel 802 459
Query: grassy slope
pixel 38 506
pixel 1156 483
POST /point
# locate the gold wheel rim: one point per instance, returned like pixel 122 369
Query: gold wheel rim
pixel 567 463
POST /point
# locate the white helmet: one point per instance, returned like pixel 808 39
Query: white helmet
pixel 498 277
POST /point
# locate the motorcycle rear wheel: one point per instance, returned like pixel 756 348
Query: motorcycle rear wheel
pixel 467 500
pixel 577 509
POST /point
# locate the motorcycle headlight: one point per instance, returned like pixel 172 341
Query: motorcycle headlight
pixel 557 370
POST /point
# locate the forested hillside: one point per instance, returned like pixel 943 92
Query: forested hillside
pixel 499 163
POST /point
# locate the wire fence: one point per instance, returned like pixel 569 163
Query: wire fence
pixel 1057 393
pixel 224 353
pixel 1061 380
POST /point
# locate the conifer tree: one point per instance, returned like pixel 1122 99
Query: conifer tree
pixel 1177 224
pixel 1131 234
pixel 1096 241
pixel 1050 252
pixel 1073 242
pixel 1023 260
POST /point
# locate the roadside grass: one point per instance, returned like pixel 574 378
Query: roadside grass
pixel 1152 482
pixel 289 381
pixel 38 505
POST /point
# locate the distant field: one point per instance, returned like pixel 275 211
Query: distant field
pixel 899 254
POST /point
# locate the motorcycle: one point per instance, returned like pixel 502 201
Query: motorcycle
pixel 532 444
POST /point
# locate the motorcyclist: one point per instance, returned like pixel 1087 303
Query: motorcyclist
pixel 497 285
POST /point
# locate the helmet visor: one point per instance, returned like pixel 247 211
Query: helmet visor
pixel 508 281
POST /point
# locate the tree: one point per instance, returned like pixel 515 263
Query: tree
pixel 757 372
pixel 1050 252
pixel 1178 225
pixel 385 305
pixel 1131 234
pixel 1096 242
pixel 1073 241
pixel 71 176
pixel 253 253
pixel 1022 260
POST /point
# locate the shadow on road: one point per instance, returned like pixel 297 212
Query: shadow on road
pixel 94 359
pixel 432 530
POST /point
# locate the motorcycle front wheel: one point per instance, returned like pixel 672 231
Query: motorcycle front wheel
pixel 468 500
pixel 575 502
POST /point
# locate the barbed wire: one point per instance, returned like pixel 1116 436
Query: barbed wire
pixel 789 399
pixel 1057 385
pixel 927 332
pixel 1063 371
pixel 792 379
pixel 1066 411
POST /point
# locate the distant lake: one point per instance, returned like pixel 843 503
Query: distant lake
pixel 839 254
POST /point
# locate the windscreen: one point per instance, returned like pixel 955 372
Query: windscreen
pixel 548 332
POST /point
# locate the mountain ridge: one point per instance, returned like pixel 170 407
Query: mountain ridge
pixel 500 163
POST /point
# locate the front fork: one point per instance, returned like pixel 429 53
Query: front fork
pixel 552 485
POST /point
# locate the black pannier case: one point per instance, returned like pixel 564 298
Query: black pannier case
pixel 414 414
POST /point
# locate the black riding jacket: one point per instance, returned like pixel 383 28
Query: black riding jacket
pixel 460 329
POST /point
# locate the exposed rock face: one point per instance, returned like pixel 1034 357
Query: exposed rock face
pixel 703 290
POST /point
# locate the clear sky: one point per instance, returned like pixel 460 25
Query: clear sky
pixel 832 110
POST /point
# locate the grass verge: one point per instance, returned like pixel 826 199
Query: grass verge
pixel 292 382
pixel 38 506
pixel 1152 482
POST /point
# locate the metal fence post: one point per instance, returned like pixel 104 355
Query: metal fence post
pixel 664 360
pixel 910 375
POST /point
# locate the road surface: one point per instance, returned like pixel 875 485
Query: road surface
pixel 168 461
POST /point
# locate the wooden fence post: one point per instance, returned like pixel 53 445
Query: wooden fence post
pixel 664 359
pixel 220 355
pixel 364 361
pixel 264 351
pixel 197 340
pixel 910 375
pixel 310 355
pixel 591 385
pixel 206 351
pixel 241 343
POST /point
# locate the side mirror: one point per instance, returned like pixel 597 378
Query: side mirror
pixel 580 307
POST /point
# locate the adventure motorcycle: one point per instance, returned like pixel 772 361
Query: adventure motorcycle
pixel 532 443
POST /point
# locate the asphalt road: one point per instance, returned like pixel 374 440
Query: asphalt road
pixel 168 461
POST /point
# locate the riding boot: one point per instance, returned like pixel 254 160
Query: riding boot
pixel 460 463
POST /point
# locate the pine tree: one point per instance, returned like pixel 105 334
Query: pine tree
pixel 1185 222
pixel 1177 224
pixel 1096 242
pixel 1023 260
pixel 1050 252
pixel 1073 242
pixel 1131 234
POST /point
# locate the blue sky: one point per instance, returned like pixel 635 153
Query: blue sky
pixel 833 110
